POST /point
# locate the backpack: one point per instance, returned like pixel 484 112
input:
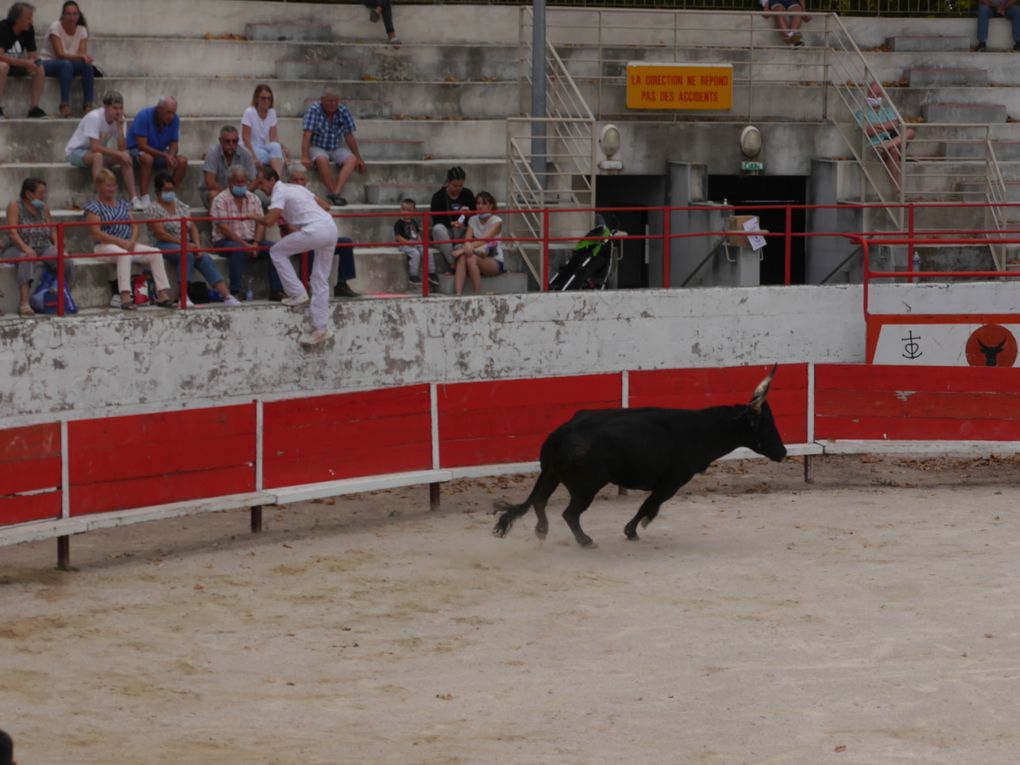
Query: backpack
pixel 44 296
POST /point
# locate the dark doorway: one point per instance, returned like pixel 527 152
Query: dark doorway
pixel 751 190
pixel 616 191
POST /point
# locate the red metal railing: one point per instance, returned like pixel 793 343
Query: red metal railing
pixel 911 238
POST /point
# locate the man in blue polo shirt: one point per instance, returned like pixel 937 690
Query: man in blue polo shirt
pixel 152 141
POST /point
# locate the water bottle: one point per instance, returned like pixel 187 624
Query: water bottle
pixel 249 294
pixel 917 262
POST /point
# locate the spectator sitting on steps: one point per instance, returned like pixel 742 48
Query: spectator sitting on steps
pixel 482 253
pixel 65 56
pixel 88 145
pixel 35 242
pixel 114 233
pixel 383 9
pixel 165 225
pixel 259 132
pixel 454 205
pixel 1007 9
pixel 329 136
pixel 881 126
pixel 18 54
pixel 243 237
pixel 153 141
pixel 787 24
pixel 218 161
pixel 407 233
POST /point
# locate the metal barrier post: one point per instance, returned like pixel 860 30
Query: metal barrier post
pixel 183 263
pixel 910 245
pixel 666 245
pixel 788 245
pixel 60 277
pixel 425 230
pixel 545 250
pixel 256 519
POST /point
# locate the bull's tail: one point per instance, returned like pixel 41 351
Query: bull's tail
pixel 510 513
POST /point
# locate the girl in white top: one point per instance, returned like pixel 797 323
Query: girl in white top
pixel 482 253
pixel 258 130
pixel 65 55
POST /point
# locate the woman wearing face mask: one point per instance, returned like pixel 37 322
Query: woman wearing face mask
pixel 35 242
pixel 482 253
pixel 162 221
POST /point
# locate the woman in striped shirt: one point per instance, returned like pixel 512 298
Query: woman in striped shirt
pixel 111 239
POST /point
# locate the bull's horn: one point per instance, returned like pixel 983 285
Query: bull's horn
pixel 762 390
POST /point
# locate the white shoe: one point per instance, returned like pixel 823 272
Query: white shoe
pixel 316 336
pixel 146 201
pixel 295 302
pixel 188 303
pixel 137 204
pixel 231 301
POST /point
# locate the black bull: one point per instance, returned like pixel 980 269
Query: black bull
pixel 656 450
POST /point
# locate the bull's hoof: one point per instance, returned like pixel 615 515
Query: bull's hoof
pixel 645 522
pixel 631 534
pixel 541 531
pixel 587 542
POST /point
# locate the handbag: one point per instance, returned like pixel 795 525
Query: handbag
pixel 44 297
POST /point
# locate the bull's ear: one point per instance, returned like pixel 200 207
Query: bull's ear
pixel 762 390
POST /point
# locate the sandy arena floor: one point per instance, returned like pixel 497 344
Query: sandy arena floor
pixel 868 618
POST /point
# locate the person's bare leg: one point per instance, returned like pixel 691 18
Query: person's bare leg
pixel 180 171
pixel 325 174
pixel 476 276
pixel 38 82
pixel 144 171
pixel 345 171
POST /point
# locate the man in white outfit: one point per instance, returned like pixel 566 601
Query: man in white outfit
pixel 314 230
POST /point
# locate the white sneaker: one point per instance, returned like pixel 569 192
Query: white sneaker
pixel 231 301
pixel 137 204
pixel 146 201
pixel 316 336
pixel 188 303
pixel 295 302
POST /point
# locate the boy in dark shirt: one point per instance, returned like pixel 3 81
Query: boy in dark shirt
pixel 18 54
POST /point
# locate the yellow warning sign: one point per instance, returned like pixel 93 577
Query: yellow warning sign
pixel 701 87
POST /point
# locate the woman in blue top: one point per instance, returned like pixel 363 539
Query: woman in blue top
pixel 115 234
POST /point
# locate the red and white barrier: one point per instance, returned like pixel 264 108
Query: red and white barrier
pixel 67 477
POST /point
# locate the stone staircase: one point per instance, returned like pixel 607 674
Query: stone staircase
pixel 437 100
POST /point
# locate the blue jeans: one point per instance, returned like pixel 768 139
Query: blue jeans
pixel 985 12
pixel 67 71
pixel 237 259
pixel 206 267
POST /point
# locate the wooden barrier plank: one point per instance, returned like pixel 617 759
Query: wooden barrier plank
pixel 347 435
pixel 29 473
pixel 483 423
pixel 149 491
pixel 117 463
pixel 697 388
pixel 861 402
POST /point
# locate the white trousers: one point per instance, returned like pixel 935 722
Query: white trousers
pixel 153 259
pixel 320 238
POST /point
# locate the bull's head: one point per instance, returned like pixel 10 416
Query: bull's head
pixel 764 437
pixel 992 352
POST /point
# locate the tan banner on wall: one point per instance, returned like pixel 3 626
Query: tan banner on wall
pixel 696 87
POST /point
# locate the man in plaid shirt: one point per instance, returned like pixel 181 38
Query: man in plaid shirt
pixel 329 135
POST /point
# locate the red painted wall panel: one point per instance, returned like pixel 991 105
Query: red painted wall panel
pixel 328 438
pixel 29 462
pixel 698 388
pixel 118 463
pixel 485 423
pixel 916 403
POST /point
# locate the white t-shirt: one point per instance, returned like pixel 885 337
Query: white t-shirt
pixel 71 43
pixel 92 125
pixel 259 127
pixel 477 227
pixel 297 205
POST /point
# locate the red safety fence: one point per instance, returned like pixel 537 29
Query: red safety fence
pixel 129 466
pixel 910 237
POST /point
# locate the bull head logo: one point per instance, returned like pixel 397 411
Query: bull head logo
pixel 991 352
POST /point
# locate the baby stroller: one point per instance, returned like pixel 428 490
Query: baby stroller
pixel 591 263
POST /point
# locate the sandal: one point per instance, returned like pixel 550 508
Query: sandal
pixel 65 110
pixel 166 303
pixel 25 311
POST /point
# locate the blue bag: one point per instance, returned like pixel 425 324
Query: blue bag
pixel 44 296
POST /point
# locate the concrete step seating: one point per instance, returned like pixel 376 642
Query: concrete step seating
pixel 926 43
pixel 937 76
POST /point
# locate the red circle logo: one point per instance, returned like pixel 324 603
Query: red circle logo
pixel 991 345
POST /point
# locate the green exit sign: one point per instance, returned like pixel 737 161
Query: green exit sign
pixel 749 166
